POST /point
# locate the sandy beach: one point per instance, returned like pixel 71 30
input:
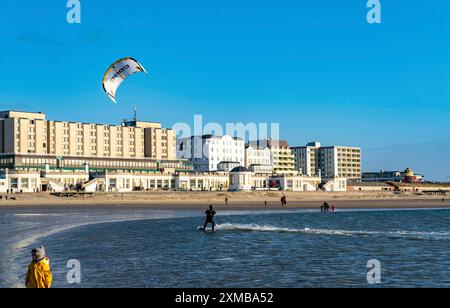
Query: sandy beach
pixel 236 201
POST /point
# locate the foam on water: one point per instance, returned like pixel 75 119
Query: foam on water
pixel 444 235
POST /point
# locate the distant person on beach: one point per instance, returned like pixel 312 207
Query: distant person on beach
pixel 333 208
pixel 39 275
pixel 210 213
pixel 226 200
pixel 326 207
pixel 283 201
pixel 265 203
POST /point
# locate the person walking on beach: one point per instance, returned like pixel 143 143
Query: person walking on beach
pixel 226 200
pixel 283 201
pixel 333 208
pixel 210 213
pixel 39 275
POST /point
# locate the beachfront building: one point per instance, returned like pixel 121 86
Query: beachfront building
pixel 258 158
pixel 407 176
pixel 109 181
pixel 282 158
pixel 29 142
pixel 243 179
pixel 37 154
pixel 208 181
pixel 206 152
pixel 239 179
pixel 159 143
pixel 328 162
pixel 19 180
pixel 226 166
pixel 339 161
pixel 307 159
pixel 31 133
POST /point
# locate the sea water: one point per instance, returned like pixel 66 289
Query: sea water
pixel 119 247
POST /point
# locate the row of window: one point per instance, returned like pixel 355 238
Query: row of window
pixel 258 153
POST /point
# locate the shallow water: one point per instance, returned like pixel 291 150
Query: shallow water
pixel 147 248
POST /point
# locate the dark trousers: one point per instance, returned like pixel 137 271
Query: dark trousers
pixel 207 222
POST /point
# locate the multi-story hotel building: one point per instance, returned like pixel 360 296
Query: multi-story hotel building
pixel 159 143
pixel 306 159
pixel 258 159
pixel 208 152
pixel 281 155
pixel 340 161
pixel 328 162
pixel 29 140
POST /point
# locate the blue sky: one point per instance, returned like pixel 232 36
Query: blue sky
pixel 316 67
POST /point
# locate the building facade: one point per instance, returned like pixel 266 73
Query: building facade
pixel 29 141
pixel 392 176
pixel 282 158
pixel 243 179
pixel 339 161
pixel 207 152
pixel 38 154
pixel 31 133
pixel 307 159
pixel 258 159
pixel 159 143
pixel 328 162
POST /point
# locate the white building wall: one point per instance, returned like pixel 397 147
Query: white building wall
pixel 206 153
pixel 255 156
pixel 329 162
pixel 21 182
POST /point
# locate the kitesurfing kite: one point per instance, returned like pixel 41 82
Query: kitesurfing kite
pixel 117 73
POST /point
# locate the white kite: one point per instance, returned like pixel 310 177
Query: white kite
pixel 117 73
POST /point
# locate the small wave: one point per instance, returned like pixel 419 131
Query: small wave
pixel 417 235
pixel 224 260
pixel 35 215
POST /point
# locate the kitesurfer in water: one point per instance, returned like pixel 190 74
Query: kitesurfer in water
pixel 210 213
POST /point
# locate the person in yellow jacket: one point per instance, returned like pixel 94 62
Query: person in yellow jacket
pixel 39 275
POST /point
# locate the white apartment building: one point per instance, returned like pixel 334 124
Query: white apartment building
pixel 306 159
pixel 282 159
pixel 258 157
pixel 328 162
pixel 207 152
pixel 337 161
